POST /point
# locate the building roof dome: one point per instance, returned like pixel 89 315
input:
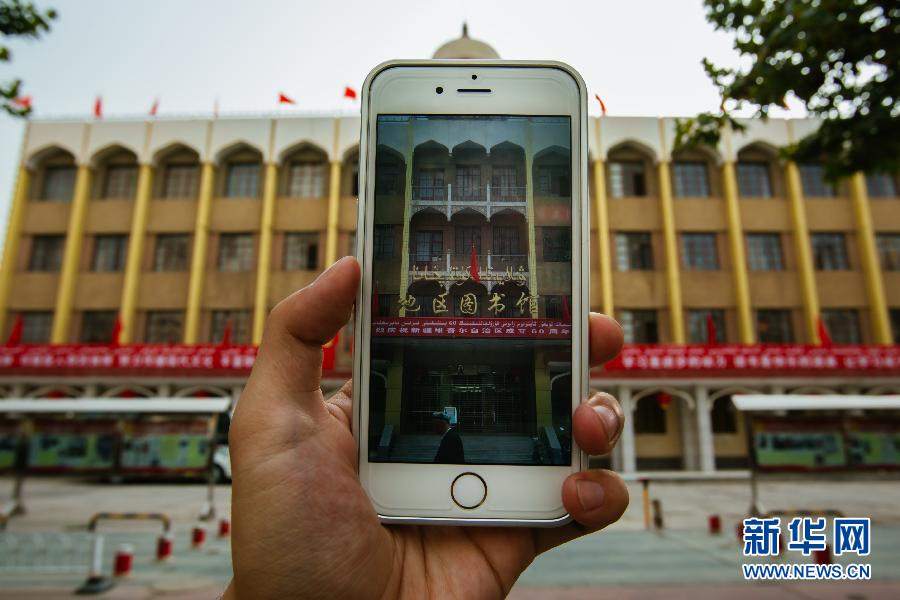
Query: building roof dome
pixel 465 47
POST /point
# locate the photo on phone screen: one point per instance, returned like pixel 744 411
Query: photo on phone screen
pixel 471 342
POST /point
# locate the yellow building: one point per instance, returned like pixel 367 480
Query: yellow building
pixel 178 226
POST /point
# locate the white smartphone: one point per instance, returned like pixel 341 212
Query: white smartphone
pixel 471 322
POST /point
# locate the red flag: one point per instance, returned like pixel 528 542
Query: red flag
pixel 226 335
pixel 473 267
pixel 824 338
pixel 15 334
pixel 154 107
pixel 566 315
pixel 664 399
pixel 710 329
pixel 602 106
pixel 24 101
pixel 282 99
pixel 349 92
pixel 98 108
pixel 117 332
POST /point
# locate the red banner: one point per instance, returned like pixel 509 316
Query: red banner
pixel 544 329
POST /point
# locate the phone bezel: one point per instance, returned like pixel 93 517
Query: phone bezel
pixel 518 87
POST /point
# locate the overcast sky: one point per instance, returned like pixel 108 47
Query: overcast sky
pixel 642 56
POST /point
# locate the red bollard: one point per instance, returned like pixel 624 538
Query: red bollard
pixel 224 528
pixel 715 524
pixel 198 536
pixel 823 557
pixel 124 560
pixel 164 547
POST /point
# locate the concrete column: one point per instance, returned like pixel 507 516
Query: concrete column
pixel 804 253
pixel 198 256
pixel 529 215
pixel 704 430
pixel 881 322
pixel 629 452
pixel 334 205
pixel 264 262
pixel 673 272
pixel 688 436
pixel 603 247
pixel 134 258
pixel 13 233
pixel 740 279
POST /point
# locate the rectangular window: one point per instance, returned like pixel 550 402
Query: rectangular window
pixel 698 325
pixel 773 326
pixel 236 252
pixel 639 326
pixel 634 252
pixel 829 251
pixel 301 251
pixel 627 179
pixel 384 241
pixel 812 177
pixel 506 240
pixel 109 253
pixel 505 185
pixel 306 180
pixel 468 184
pixel 97 326
pixel 171 252
pixel 429 245
pixel 691 179
pixel 240 326
pixel 881 185
pixel 554 180
pixel 889 250
pixel 430 185
pixel 59 184
pixel 698 251
pixel 181 181
pixel 36 326
pixel 465 237
pixel 387 178
pixel 242 180
pixel 649 416
pixel 163 327
pixel 842 325
pixel 46 252
pixel 121 181
pixel 557 244
pixel 764 252
pixel 753 180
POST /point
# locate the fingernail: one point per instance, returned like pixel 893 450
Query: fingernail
pixel 590 494
pixel 610 421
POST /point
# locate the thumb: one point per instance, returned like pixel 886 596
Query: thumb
pixel 290 355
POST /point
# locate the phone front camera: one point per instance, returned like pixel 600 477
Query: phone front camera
pixel 439 90
pixel 474 76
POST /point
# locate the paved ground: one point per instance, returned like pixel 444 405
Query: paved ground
pixel 44 553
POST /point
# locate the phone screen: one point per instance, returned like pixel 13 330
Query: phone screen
pixel 471 341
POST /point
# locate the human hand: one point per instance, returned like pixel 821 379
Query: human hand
pixel 303 525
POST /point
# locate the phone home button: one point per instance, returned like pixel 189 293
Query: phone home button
pixel 468 490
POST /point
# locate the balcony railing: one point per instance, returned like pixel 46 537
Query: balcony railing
pixel 468 194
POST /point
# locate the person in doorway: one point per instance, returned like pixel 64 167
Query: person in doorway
pixel 450 452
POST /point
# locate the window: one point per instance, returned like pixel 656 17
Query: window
pixel 465 237
pixel 634 252
pixel 881 186
pixel 387 177
pixel 97 326
pixel 506 240
pixel 557 244
pixel 553 307
pixel 236 252
pixel 468 183
pixel 180 181
pixel 626 179
pixel 640 326
pixel 431 185
pixel 753 180
pixel 429 245
pixel 698 325
pixel 59 184
pixel 163 327
pixel 895 324
pixel 889 250
pixel 301 251
pixel 698 251
pixel 46 252
pixel 36 327
pixel 505 185
pixel 773 326
pixel 242 180
pixel 306 180
pixel 829 251
pixel 384 241
pixel 842 325
pixel 764 252
pixel 691 179
pixel 121 181
pixel 240 326
pixel 171 252
pixel 723 415
pixel 649 415
pixel 812 177
pixel 554 180
pixel 109 253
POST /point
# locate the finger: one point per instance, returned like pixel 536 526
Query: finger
pixel 606 338
pixel 595 499
pixel 597 424
pixel 290 354
pixel 341 404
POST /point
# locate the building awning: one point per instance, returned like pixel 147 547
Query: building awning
pixel 196 406
pixel 760 402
